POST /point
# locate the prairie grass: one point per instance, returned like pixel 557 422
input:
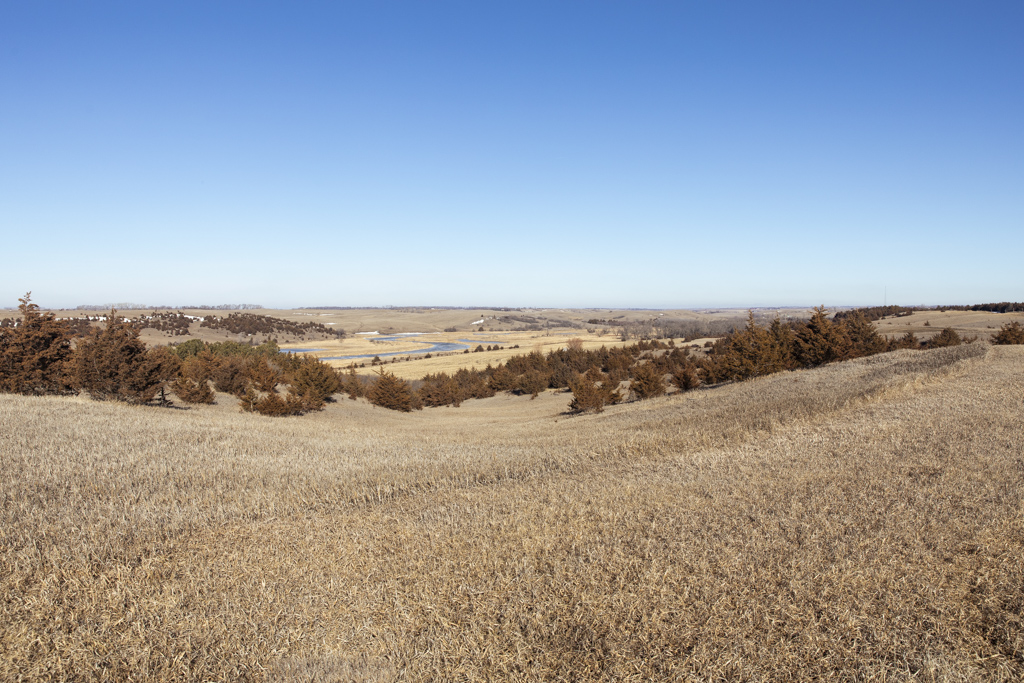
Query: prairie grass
pixel 860 521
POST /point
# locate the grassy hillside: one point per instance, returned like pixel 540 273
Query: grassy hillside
pixel 858 521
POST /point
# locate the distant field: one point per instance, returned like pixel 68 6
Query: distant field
pixel 451 361
pixel 981 324
pixel 860 521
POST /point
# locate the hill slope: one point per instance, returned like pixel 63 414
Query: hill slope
pixel 859 520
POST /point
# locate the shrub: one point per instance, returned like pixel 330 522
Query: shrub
pixel 864 338
pixel 750 352
pixel 230 375
pixel 352 385
pixel 1010 333
pixel 502 379
pixel 907 341
pixel 532 382
pixel 34 356
pixel 820 341
pixel 647 381
pixel 947 337
pixel 391 392
pixel 192 347
pixel 593 391
pixel 191 391
pixel 273 405
pixel 192 384
pixel 686 378
pixel 314 383
pixel 114 364
pixel 440 390
pixel 262 374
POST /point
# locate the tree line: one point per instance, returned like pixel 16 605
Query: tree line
pixel 39 355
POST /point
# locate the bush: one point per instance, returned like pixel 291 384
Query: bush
pixel 314 383
pixel 820 341
pixel 440 390
pixel 192 391
pixel 907 341
pixel 114 364
pixel 391 392
pixel 592 392
pixel 686 378
pixel 193 347
pixel 230 375
pixel 272 405
pixel 947 337
pixel 1010 333
pixel 35 355
pixel 864 338
pixel 352 385
pixel 531 382
pixel 647 381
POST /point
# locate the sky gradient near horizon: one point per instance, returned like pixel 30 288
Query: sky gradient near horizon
pixel 649 154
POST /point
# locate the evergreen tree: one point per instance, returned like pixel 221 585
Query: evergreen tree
pixel 532 382
pixel 352 384
pixel 907 341
pixel 114 364
pixel 647 381
pixel 192 384
pixel 314 383
pixel 864 338
pixel 391 392
pixel 1010 333
pixel 947 337
pixel 35 354
pixel 820 341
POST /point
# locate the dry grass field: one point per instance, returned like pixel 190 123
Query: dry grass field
pixel 434 320
pixel 981 324
pixel 418 365
pixel 861 521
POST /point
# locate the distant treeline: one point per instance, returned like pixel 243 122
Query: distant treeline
pixel 1002 307
pixel 176 323
pixel 251 324
pixel 878 312
pixel 143 307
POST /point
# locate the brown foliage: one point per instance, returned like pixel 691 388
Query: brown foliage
pixel 35 354
pixel 1010 333
pixel 647 381
pixel 192 391
pixel 947 337
pixel 820 341
pixel 532 382
pixel 314 383
pixel 230 375
pixel 114 364
pixel 352 385
pixel 273 405
pixel 592 392
pixel 391 392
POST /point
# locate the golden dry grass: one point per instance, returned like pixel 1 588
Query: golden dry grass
pixel 449 362
pixel 861 521
pixel 981 324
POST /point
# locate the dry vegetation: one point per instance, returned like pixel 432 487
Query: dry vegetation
pixel 859 521
pixel 924 324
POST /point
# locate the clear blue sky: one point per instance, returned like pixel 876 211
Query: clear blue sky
pixel 647 154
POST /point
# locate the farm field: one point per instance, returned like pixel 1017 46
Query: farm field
pixel 859 521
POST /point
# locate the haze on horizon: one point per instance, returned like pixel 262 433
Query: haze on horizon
pixel 649 155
